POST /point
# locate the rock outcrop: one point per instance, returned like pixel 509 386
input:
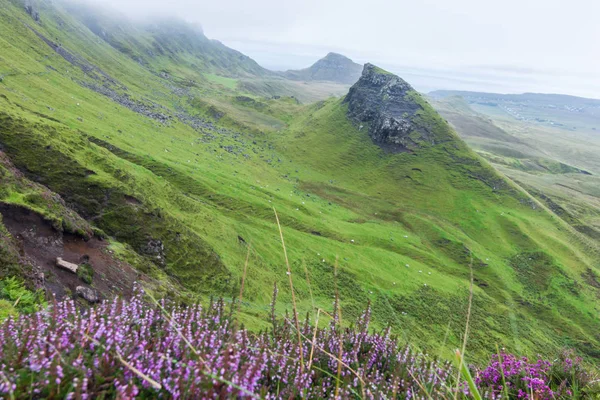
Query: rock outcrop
pixel 32 11
pixel 387 106
pixel 155 249
pixel 88 294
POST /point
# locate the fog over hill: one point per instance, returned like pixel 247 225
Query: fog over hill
pixel 469 45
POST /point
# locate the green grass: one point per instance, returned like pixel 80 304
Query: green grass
pixel 229 83
pixel 16 298
pixel 381 71
pixel 560 164
pixel 209 194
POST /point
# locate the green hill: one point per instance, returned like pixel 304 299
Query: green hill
pixel 159 43
pixel 555 164
pixel 177 169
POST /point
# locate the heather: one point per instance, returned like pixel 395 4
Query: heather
pixel 176 158
pixel 147 349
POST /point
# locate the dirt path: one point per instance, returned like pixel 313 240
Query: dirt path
pixel 40 244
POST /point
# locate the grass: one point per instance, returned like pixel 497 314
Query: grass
pixel 229 83
pixel 15 298
pixel 557 162
pixel 398 224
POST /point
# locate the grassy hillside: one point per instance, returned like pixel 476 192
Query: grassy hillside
pixel 189 161
pixel 559 166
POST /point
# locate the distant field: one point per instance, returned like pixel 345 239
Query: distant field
pixel 562 162
pixel 550 110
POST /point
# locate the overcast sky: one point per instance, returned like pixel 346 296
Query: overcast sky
pixel 530 45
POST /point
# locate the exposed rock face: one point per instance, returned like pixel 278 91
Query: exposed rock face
pixel 88 294
pixel 333 67
pixel 33 13
pixel 384 103
pixel 155 249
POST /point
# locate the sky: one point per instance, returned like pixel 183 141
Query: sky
pixel 549 46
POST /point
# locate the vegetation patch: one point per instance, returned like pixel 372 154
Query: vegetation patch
pixel 535 270
pixel 85 272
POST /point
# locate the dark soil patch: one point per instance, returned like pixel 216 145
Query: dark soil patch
pixel 40 244
pixel 132 200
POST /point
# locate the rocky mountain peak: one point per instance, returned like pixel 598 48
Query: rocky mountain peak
pixel 388 106
pixel 336 56
pixel 333 67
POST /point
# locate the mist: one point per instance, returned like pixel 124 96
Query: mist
pixel 510 46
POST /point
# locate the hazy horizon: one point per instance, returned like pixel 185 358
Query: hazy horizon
pixel 514 47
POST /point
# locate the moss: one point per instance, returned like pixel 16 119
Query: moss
pixel 381 71
pixel 85 272
pixel 106 202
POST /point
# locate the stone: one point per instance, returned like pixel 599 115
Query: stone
pixel 67 266
pixel 88 294
pixel 156 250
pixel 383 103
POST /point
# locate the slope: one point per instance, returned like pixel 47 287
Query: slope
pixel 185 171
pixel 557 165
pixel 158 42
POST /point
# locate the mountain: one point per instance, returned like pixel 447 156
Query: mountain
pixel 163 169
pixel 154 41
pixel 333 67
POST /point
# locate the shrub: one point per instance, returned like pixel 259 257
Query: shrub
pixel 126 349
pixel 6 310
pixel 519 378
pixel 85 272
pixel 23 300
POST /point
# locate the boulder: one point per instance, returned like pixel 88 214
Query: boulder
pixel 60 263
pixel 88 294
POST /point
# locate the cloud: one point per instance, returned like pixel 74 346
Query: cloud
pixel 526 35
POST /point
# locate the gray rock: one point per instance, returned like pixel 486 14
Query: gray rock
pixel 88 294
pixel 155 249
pixel 383 102
pixel 33 13
pixel 148 109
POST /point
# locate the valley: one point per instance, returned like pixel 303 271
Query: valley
pixel 163 156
